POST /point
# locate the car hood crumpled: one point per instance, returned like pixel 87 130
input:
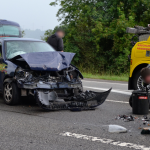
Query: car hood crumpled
pixel 48 61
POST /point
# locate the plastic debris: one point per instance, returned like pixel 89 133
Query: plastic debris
pixel 146 118
pixel 117 129
pixel 145 122
pixel 126 118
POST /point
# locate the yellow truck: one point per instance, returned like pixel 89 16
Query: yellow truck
pixel 140 55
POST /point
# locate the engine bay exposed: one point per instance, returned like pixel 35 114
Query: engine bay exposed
pixel 28 76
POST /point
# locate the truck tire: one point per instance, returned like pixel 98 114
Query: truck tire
pixel 136 78
pixel 11 93
pixel 138 82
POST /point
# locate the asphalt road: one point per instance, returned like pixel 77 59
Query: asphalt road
pixel 27 127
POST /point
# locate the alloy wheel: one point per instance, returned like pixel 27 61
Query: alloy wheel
pixel 8 92
pixel 140 84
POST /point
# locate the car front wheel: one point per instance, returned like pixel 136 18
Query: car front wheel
pixel 11 93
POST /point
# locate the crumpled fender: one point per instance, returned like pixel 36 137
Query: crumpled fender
pixel 8 80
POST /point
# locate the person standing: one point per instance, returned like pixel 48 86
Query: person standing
pixel 56 40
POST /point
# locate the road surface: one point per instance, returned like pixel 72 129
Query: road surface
pixel 27 127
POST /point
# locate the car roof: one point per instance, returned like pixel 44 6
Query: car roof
pixel 6 22
pixel 20 39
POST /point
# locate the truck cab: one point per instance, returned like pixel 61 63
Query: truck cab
pixel 9 29
pixel 140 56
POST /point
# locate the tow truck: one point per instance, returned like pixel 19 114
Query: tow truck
pixel 140 55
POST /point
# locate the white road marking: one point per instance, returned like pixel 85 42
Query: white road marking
pixel 105 141
pixel 103 89
pixel 117 101
pixel 104 82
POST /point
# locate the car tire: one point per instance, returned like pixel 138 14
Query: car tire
pixel 11 93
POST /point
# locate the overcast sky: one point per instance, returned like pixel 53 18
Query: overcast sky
pixel 30 14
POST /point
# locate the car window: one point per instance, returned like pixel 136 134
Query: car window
pixel 8 30
pixel 14 48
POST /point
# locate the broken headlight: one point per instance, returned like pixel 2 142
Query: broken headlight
pixel 23 75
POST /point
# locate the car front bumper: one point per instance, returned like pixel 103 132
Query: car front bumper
pixel 63 90
pixel 52 85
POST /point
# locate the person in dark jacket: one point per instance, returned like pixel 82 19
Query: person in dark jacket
pixel 56 40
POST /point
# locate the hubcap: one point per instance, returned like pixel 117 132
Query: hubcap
pixel 8 92
pixel 140 84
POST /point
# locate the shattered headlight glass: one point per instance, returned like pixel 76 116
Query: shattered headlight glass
pixel 23 75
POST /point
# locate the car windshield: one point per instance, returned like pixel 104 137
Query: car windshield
pixel 14 48
pixel 7 30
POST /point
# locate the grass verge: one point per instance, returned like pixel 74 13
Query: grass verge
pixel 123 77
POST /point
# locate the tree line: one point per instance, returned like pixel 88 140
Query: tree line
pixel 96 31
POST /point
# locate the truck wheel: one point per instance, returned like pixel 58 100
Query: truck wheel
pixel 138 82
pixel 11 93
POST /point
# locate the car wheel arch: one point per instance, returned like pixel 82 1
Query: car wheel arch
pixel 7 80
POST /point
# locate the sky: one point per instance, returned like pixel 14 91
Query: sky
pixel 30 14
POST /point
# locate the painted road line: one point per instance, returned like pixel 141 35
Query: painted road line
pixel 105 141
pixel 104 82
pixel 117 101
pixel 103 89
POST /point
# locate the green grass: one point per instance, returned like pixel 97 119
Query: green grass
pixel 123 77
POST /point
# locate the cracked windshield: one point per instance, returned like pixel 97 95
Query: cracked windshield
pixel 14 48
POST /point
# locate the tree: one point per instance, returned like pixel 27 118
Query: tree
pixel 97 31
pixel 47 34
pixel 23 33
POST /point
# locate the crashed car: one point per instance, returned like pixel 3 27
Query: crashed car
pixel 33 67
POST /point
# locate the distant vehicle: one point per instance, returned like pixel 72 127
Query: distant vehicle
pixel 9 29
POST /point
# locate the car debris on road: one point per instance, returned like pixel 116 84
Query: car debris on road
pixel 117 129
pixel 84 101
pixel 126 118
